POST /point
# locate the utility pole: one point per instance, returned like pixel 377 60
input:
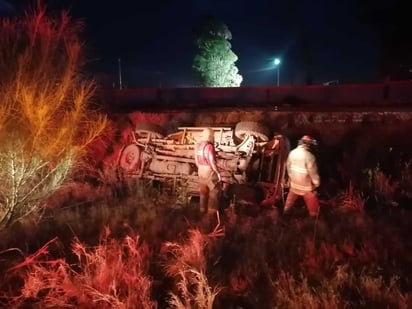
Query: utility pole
pixel 120 73
pixel 277 66
pixel 278 75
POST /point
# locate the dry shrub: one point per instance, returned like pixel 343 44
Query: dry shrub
pixel 110 275
pixel 194 291
pixel 45 119
pixel 350 200
pixel 186 263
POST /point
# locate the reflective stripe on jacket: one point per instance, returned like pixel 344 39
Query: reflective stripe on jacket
pixel 203 151
pixel 302 171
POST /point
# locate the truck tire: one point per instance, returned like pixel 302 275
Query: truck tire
pixel 143 129
pixel 129 159
pixel 245 128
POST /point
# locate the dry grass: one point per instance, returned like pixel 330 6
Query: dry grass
pixel 355 260
pixel 343 290
pixel 259 262
pixel 186 262
pixel 110 275
pixel 350 200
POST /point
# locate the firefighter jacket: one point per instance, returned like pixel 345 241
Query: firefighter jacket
pixel 302 170
pixel 205 153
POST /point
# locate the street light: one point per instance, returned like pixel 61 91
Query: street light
pixel 277 65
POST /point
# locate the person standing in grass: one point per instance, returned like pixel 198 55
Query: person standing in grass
pixel 303 175
pixel 209 176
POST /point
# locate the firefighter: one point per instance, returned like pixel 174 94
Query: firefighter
pixel 209 176
pixel 303 176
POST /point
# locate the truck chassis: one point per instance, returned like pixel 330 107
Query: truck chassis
pixel 246 158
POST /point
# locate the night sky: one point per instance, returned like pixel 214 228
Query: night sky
pixel 155 41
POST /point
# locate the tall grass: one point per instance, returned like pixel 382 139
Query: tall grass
pixel 186 262
pixel 111 275
pixel 250 262
pixel 344 289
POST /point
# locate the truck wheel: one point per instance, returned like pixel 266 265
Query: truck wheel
pixel 129 159
pixel 143 129
pixel 245 128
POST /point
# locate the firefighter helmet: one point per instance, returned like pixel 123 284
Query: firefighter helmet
pixel 308 140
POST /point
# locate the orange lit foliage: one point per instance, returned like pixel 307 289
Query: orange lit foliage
pixel 45 122
pixel 187 263
pixel 110 275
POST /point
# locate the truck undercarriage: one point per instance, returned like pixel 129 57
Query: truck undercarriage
pixel 246 158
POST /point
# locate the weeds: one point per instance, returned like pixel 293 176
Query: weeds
pixel 110 275
pixel 343 290
pixel 186 263
pixel 350 200
pixel 262 262
pixel 249 262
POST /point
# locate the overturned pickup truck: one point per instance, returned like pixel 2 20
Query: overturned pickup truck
pixel 252 166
